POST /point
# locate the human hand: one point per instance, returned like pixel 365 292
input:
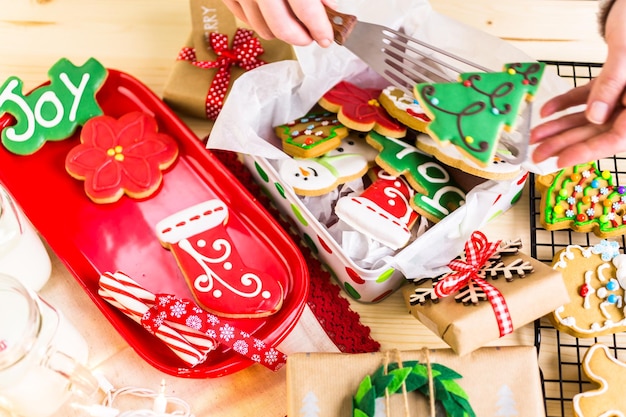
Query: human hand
pixel 297 22
pixel 572 138
pixel 600 129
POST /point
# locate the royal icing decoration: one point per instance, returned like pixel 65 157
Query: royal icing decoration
pixel 471 113
pixel 318 176
pixel 382 212
pixel 437 194
pixel 412 376
pixel 244 53
pixel 53 111
pixel 219 279
pixel 358 108
pixel 468 281
pixel 595 278
pixel 405 108
pixel 121 156
pixel 583 198
pixel 498 169
pixel 608 375
pixel 312 135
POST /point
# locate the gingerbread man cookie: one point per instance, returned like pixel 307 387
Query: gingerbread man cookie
pixel 312 135
pixel 606 371
pixel 218 277
pixel 584 199
pixel 595 278
pixel 358 108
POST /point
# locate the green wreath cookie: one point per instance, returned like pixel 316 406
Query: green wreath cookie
pixel 414 376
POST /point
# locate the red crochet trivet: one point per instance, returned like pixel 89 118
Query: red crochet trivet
pixel 333 312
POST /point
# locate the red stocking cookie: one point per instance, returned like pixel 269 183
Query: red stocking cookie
pixel 219 279
pixel 382 212
pixel 359 109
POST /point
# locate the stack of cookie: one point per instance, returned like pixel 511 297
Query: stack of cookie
pixel 412 156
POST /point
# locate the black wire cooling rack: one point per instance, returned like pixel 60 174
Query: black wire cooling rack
pixel 560 354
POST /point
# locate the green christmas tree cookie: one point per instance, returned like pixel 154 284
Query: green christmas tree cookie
pixel 471 113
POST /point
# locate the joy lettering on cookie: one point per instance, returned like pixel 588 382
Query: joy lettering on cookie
pixel 437 194
pixel 207 256
pixel 52 111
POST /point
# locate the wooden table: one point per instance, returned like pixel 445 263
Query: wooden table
pixel 143 37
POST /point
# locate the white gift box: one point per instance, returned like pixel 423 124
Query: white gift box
pixel 279 92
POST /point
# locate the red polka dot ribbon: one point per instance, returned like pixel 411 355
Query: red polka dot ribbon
pixel 244 53
pixel 170 309
pixel 478 250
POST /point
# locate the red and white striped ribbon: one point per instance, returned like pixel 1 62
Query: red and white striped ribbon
pixel 478 250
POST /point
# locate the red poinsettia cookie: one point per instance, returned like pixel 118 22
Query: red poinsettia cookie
pixel 121 156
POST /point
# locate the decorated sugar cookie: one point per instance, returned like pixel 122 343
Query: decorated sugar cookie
pixel 383 211
pixel 404 108
pixel 498 169
pixel 121 156
pixel 355 143
pixel 582 198
pixel 358 108
pixel 53 111
pixel 595 278
pixel 608 374
pixel 412 376
pixel 220 280
pixel 437 194
pixel 318 176
pixel 471 113
pixel 312 135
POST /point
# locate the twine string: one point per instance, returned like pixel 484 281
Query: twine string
pixel 405 396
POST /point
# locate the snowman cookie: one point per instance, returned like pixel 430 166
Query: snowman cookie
pixel 595 278
pixel 218 277
pixel 317 176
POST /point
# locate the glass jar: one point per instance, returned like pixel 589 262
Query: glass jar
pixel 42 355
pixel 22 253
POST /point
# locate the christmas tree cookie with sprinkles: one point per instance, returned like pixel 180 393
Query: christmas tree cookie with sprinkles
pixel 472 113
pixel 312 135
pixel 584 199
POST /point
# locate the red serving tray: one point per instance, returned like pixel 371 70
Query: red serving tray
pixel 95 238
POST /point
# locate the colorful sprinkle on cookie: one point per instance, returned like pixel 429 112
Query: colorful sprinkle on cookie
pixel 583 198
pixel 53 111
pixel 609 375
pixel 121 156
pixel 471 113
pixel 358 108
pixel 595 278
pixel 312 135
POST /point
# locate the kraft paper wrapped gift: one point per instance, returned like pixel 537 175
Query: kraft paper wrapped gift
pixel 498 381
pixel 197 65
pixel 509 290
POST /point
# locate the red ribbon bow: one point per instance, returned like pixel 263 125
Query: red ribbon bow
pixel 168 308
pixel 244 52
pixel 478 250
